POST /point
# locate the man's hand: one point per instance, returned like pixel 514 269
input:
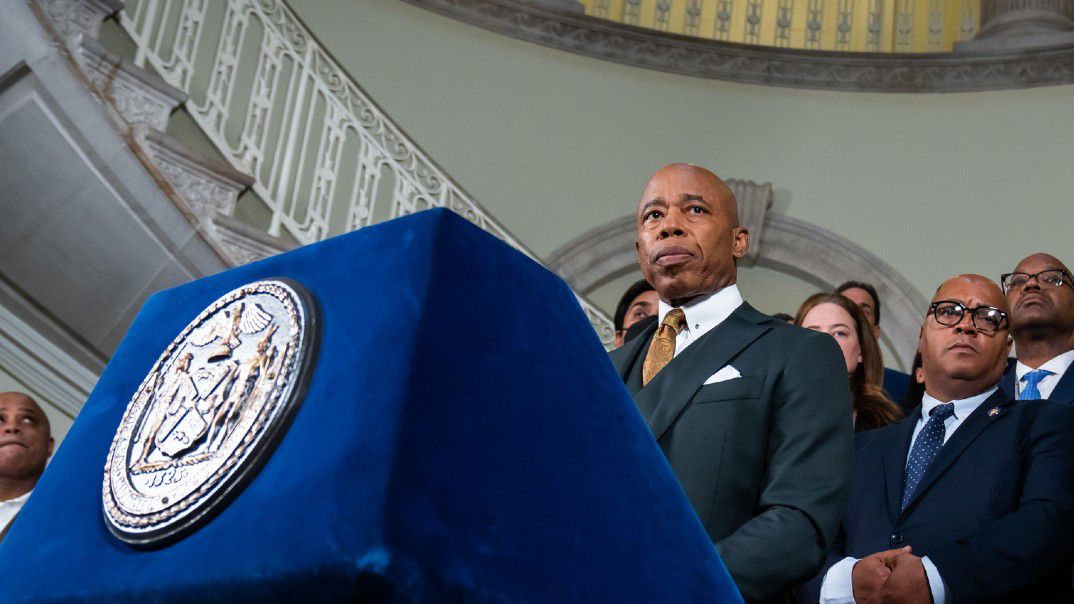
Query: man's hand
pixel 907 583
pixel 871 573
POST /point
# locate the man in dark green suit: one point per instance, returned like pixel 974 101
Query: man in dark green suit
pixel 753 414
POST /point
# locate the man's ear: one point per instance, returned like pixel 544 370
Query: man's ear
pixel 51 445
pixel 740 241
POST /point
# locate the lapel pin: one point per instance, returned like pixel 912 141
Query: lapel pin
pixel 994 411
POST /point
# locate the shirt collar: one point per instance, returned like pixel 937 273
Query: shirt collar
pixel 1057 365
pixel 963 407
pixel 708 312
pixel 20 499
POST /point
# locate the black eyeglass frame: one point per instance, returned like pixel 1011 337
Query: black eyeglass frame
pixel 1006 322
pixel 1067 278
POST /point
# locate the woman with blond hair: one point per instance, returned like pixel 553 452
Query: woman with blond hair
pixel 844 321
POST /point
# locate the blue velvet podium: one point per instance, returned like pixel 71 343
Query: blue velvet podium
pixel 464 438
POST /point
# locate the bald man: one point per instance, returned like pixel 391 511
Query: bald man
pixel 971 498
pixel 25 446
pixel 1040 292
pixel 753 414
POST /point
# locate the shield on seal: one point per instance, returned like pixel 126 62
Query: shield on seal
pixel 180 432
pixel 210 411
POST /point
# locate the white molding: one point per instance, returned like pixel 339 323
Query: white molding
pixel 43 367
pixel 985 69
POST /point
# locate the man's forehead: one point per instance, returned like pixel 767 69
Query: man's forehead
pixel 1038 262
pixel 972 289
pixel 18 401
pixel 691 179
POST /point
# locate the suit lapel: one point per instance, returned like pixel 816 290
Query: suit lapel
pixel 1064 390
pixel 632 353
pixel 895 461
pixel 1006 383
pixel 670 391
pixel 970 429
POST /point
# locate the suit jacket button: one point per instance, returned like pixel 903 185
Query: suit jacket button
pixel 896 538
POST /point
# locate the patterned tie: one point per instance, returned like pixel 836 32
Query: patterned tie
pixel 662 350
pixel 928 444
pixel 1030 390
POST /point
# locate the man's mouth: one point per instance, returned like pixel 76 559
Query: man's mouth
pixel 1032 298
pixel 962 347
pixel 672 256
pixel 4 443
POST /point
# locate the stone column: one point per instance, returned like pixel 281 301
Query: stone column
pixel 1023 24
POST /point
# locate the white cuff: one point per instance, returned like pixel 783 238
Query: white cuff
pixel 936 584
pixel 838 584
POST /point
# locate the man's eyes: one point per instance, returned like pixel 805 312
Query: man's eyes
pixel 696 210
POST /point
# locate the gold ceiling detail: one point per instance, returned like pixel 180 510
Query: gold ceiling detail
pixel 890 26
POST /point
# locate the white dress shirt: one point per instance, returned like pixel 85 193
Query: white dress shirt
pixel 703 314
pixel 1057 365
pixel 838 587
pixel 9 508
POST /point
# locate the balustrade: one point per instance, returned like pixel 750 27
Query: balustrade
pixel 893 26
pixel 325 159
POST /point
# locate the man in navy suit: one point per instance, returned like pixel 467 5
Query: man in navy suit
pixel 971 498
pixel 1040 292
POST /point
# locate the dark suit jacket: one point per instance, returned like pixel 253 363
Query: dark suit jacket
pixel 994 512
pixel 895 383
pixel 1062 393
pixel 764 458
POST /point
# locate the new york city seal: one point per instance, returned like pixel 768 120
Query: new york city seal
pixel 209 412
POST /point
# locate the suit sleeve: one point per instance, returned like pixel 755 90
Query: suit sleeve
pixel 809 449
pixel 1020 549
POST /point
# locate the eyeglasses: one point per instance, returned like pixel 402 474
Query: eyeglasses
pixel 986 319
pixel 1054 277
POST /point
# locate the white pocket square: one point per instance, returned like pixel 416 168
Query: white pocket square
pixel 727 373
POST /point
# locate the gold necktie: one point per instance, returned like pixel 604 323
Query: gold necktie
pixel 662 350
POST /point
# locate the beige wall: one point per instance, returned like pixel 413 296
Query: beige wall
pixel 554 143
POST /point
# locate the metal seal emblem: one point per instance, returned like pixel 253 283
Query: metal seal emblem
pixel 209 412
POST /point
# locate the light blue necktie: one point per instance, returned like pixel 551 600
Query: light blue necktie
pixel 1030 390
pixel 928 444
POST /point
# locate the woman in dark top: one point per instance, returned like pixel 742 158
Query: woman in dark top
pixel 844 321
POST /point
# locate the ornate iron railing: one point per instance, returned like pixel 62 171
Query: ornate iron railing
pixel 893 26
pixel 325 158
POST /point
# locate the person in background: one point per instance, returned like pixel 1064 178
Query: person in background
pixel 25 446
pixel 638 301
pixel 971 498
pixel 846 322
pixel 1041 294
pixel 865 296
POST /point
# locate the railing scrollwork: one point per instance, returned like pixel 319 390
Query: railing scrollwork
pixel 325 158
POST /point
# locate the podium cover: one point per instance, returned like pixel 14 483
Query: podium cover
pixel 463 437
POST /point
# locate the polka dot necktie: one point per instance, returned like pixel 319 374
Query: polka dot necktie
pixel 662 350
pixel 928 444
pixel 1030 390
